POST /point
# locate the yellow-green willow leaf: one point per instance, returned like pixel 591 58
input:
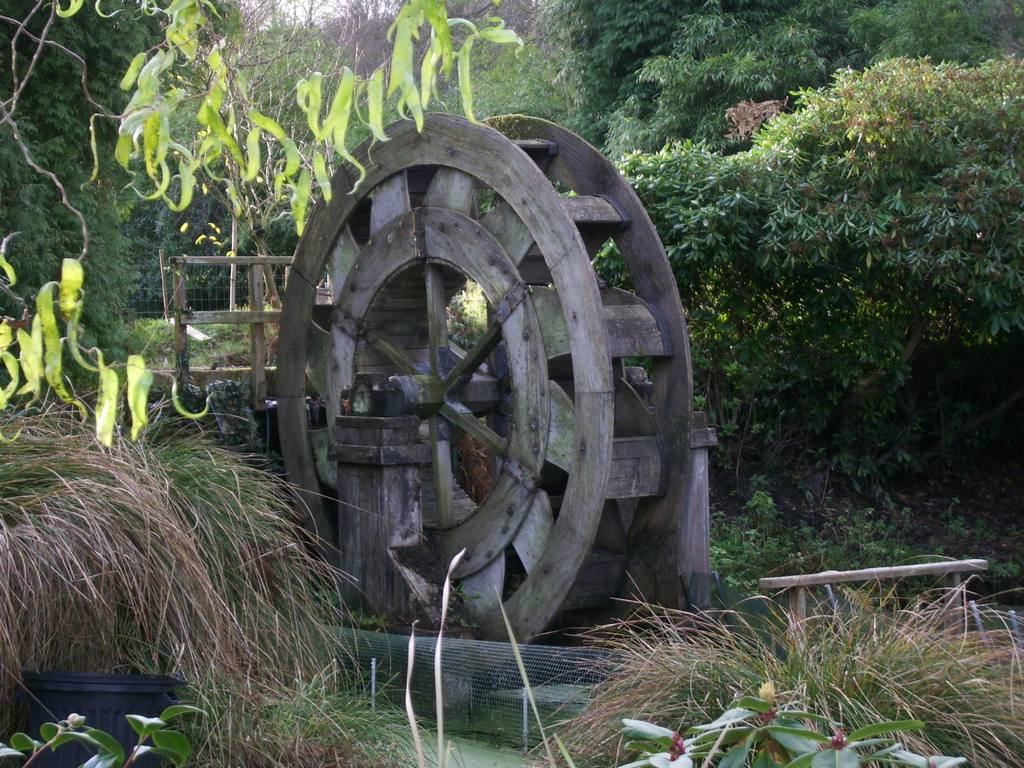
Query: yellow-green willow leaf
pixel 182 411
pixel 8 269
pixel 252 150
pixel 140 379
pixel 465 84
pixel 13 372
pixel 73 7
pixel 499 35
pixel 375 105
pixel 236 204
pixel 401 48
pixel 92 148
pixel 133 70
pixel 209 116
pixel 309 97
pixel 106 404
pixel 428 72
pixel 6 336
pixel 292 158
pixel 323 179
pixel 72 278
pixel 123 151
pixel 336 123
pixel 187 179
pixel 437 14
pixel 163 184
pixel 99 12
pixel 30 355
pixel 150 144
pixel 300 200
pixel 53 347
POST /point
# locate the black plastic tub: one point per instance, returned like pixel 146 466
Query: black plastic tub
pixel 103 699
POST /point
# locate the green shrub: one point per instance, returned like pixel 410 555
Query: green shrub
pixel 864 665
pixel 849 276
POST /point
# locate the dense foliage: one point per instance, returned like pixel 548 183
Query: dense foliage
pixel 655 71
pixel 849 276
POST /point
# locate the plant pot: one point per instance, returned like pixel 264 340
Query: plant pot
pixel 103 699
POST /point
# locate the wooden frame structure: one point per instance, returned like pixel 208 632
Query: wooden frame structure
pixel 598 486
pixel 255 319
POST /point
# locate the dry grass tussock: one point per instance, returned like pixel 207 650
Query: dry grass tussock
pixel 165 556
pixel 865 664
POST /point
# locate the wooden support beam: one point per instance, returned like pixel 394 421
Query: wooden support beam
pixel 241 261
pixel 695 527
pixel 873 574
pixel 257 341
pixel 217 317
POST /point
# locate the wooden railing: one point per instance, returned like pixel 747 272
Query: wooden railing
pixel 799 586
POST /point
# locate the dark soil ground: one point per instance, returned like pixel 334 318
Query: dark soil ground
pixel 800 523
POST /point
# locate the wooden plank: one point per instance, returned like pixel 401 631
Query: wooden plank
pixel 632 329
pixel 591 210
pixel 390 200
pixel 216 317
pixel 453 189
pixel 873 574
pixel 561 428
pixel 601 577
pixel 343 256
pixel 534 533
pixel 637 468
pixel 484 589
pixel 509 230
pixel 239 261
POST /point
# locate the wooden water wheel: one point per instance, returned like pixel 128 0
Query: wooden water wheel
pixel 523 442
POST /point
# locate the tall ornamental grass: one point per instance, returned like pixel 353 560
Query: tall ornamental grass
pixel 860 666
pixel 169 556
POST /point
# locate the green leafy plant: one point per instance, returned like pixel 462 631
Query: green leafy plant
pixel 155 738
pixel 759 732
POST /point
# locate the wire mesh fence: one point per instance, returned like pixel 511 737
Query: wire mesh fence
pixel 207 287
pixel 481 685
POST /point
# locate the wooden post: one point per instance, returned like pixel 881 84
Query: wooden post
pixel 798 612
pixel 233 269
pixel 379 510
pixel 163 286
pixel 181 362
pixel 695 530
pixel 257 341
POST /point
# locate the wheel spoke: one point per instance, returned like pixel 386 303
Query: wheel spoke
pixel 442 464
pixel 437 316
pixel 467 422
pixel 475 357
pixel 393 353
